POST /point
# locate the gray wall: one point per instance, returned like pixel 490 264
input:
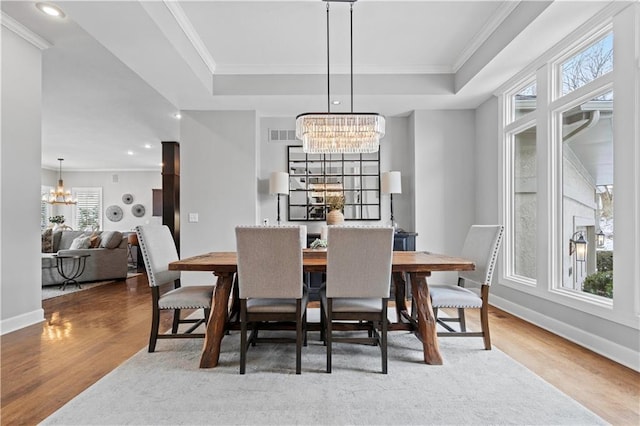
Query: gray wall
pixel 20 278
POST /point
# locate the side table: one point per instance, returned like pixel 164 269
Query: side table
pixel 71 269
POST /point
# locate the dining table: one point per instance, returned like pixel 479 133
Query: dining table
pixel 414 266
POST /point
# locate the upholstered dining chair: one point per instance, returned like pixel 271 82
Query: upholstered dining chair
pixel 158 250
pixel 357 288
pixel 482 246
pixel 270 286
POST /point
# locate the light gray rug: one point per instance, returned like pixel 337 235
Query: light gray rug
pixel 473 386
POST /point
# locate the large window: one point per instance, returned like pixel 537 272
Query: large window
pixel 577 142
pixel 46 210
pixel 87 214
pixel 587 195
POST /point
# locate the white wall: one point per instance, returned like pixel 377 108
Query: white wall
pixel 114 185
pixel 20 150
pixel 218 180
pixel 444 180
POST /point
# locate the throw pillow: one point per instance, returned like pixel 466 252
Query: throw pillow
pixel 94 240
pixel 110 239
pixel 47 241
pixel 81 242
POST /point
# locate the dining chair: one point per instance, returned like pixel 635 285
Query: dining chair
pixel 158 250
pixel 270 287
pixel 357 288
pixel 481 245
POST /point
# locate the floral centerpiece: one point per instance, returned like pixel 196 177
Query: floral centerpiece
pixel 58 220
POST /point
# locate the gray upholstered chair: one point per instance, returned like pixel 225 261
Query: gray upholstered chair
pixel 270 285
pixel 158 250
pixel 357 288
pixel 482 246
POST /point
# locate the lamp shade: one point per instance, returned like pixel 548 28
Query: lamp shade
pixel 279 183
pixel 391 183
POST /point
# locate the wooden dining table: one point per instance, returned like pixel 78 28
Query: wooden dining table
pixel 416 265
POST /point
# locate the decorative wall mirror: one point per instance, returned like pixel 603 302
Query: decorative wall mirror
pixel 314 177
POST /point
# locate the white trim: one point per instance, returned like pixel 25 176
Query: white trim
pixel 287 69
pixel 24 32
pixel 485 32
pixel 20 321
pixel 181 18
pixel 621 354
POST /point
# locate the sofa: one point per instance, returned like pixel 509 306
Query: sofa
pixel 108 254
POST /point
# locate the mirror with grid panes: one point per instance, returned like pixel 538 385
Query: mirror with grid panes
pixel 315 177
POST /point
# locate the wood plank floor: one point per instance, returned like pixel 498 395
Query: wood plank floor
pixel 87 334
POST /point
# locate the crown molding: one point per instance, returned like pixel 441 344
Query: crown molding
pixel 294 69
pixel 24 32
pixel 181 18
pixel 481 36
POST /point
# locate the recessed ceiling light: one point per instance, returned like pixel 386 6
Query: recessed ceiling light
pixel 336 102
pixel 50 9
pixel 130 152
pixel 147 145
pixel 177 116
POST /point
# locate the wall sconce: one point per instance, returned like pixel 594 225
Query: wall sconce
pixel 279 184
pixel 578 246
pixel 600 238
pixel 391 184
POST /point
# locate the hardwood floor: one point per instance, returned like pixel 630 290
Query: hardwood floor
pixel 87 334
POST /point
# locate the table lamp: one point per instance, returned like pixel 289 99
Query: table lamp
pixel 391 184
pixel 279 184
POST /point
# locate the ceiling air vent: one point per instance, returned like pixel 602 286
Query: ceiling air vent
pixel 278 135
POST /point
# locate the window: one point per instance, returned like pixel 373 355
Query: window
pixel 524 101
pixel 87 214
pixel 587 194
pixel 587 65
pixel 524 204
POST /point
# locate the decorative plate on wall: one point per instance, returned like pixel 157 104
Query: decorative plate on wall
pixel 114 213
pixel 138 210
pixel 127 198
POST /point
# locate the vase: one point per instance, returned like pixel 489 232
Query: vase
pixel 335 217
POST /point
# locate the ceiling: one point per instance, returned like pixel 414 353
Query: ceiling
pixel 116 72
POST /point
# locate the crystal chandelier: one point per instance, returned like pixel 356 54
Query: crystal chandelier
pixel 342 133
pixel 59 196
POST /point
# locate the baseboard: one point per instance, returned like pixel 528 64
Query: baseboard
pixel 20 321
pixel 597 344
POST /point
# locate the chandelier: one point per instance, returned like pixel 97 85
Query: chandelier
pixel 341 133
pixel 59 196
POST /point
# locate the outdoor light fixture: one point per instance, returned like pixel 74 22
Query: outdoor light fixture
pixel 59 196
pixel 578 246
pixel 391 184
pixel 279 184
pixel 600 238
pixel 341 133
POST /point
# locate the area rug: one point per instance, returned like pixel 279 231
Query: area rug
pixel 51 291
pixel 473 386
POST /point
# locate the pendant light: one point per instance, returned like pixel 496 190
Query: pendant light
pixel 342 133
pixel 59 196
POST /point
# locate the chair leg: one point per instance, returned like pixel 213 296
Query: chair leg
pixel 328 333
pixel 299 336
pixel 323 336
pixel 155 324
pixel 484 322
pixel 243 335
pixel 461 319
pixel 176 321
pixel 383 338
